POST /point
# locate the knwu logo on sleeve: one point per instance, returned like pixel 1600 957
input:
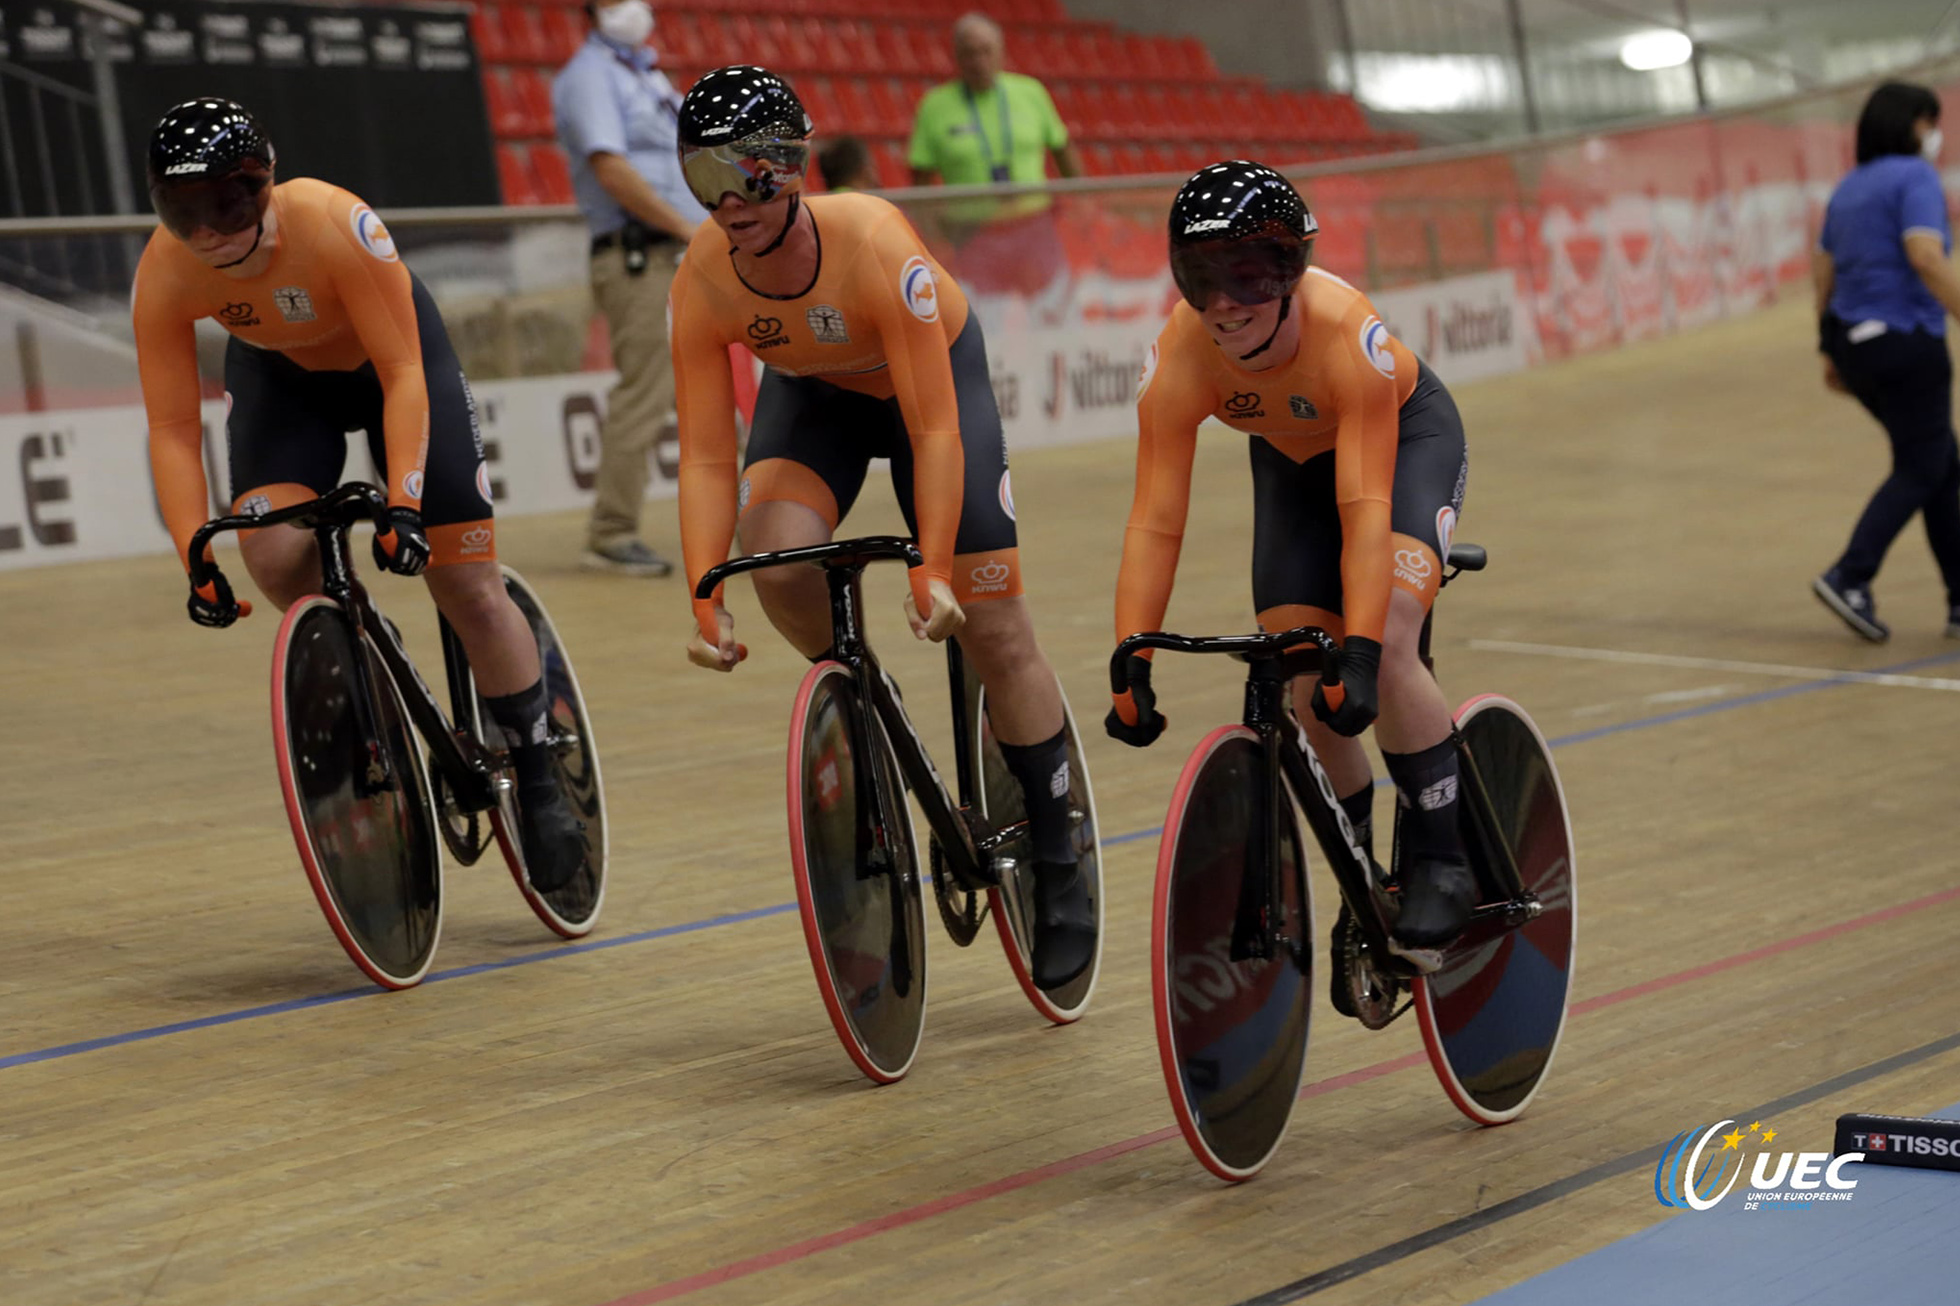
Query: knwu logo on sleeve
pixel 237 315
pixel 1698 1167
pixel 766 333
pixel 991 577
pixel 1244 405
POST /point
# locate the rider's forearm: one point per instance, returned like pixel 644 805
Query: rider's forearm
pixel 177 468
pixel 1144 581
pixel 1366 567
pixel 938 490
pixel 405 431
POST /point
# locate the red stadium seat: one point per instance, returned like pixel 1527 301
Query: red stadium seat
pixel 894 105
pixel 515 174
pixel 679 38
pixel 819 98
pixel 564 32
pixel 524 38
pixel 534 92
pixel 892 170
pixel 508 118
pixel 895 52
pixel 553 174
pixel 860 116
pixel 488 34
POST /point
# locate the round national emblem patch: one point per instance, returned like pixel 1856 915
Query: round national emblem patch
pixel 373 235
pixel 920 288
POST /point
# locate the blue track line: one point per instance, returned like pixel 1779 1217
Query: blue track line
pixel 62 1050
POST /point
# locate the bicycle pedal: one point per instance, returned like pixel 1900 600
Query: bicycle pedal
pixel 1424 961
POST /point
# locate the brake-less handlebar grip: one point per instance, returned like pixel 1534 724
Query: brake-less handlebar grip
pixel 870 549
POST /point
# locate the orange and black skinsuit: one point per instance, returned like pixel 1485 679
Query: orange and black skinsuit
pixel 879 358
pixel 334 335
pixel 1358 467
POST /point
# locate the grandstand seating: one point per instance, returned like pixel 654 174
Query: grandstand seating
pixel 1134 103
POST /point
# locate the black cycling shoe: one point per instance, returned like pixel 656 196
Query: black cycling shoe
pixel 1437 899
pixel 1064 924
pixel 552 838
pixel 1340 983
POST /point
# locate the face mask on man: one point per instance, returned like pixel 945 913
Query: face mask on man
pixel 1929 145
pixel 628 24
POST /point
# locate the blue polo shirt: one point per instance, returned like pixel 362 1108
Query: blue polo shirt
pixel 612 100
pixel 1872 211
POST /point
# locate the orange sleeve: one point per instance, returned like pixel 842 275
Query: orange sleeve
pixel 166 363
pixel 922 378
pixel 1173 400
pixel 1364 464
pixel 379 296
pixel 704 397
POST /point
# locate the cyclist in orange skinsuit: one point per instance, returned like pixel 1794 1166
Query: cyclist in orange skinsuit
pixel 871 352
pixel 330 332
pixel 1358 474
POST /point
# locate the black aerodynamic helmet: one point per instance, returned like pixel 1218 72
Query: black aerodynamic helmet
pixel 743 129
pixel 210 165
pixel 1239 227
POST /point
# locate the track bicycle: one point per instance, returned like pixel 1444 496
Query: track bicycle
pixel 854 852
pixel 369 811
pixel 1232 920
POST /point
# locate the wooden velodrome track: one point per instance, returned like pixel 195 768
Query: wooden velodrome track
pixel 1768 901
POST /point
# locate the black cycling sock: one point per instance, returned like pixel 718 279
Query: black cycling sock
pixel 1360 809
pixel 1042 770
pixel 525 720
pixel 1425 791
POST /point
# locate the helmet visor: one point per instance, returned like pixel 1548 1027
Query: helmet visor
pixel 1246 271
pixel 758 169
pixel 227 205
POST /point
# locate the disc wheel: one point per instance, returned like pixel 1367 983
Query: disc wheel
pixel 1493 1014
pixel 857 876
pixel 1012 903
pixel 1231 1034
pixel 361 811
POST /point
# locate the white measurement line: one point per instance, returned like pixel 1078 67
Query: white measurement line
pixel 1716 664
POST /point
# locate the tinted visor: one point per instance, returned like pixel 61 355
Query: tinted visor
pixel 758 169
pixel 227 205
pixel 1247 271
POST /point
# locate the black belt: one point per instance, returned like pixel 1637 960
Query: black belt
pixel 655 239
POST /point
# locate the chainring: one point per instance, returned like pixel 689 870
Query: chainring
pixel 961 910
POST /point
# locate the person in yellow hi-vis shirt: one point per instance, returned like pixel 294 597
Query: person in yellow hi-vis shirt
pixel 989 125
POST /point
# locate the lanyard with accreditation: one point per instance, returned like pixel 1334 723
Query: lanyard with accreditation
pixel 999 171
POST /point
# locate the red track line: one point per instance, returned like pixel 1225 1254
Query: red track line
pixel 1082 1161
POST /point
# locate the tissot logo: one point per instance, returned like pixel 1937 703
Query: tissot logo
pixel 766 333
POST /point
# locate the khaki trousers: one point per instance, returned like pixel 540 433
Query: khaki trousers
pixel 640 405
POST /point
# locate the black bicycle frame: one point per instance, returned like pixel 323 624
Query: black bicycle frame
pixel 1275 659
pixel 964 837
pixel 468 767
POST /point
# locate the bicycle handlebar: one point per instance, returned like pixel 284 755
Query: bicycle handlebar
pixel 355 501
pixel 872 548
pixel 1324 658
